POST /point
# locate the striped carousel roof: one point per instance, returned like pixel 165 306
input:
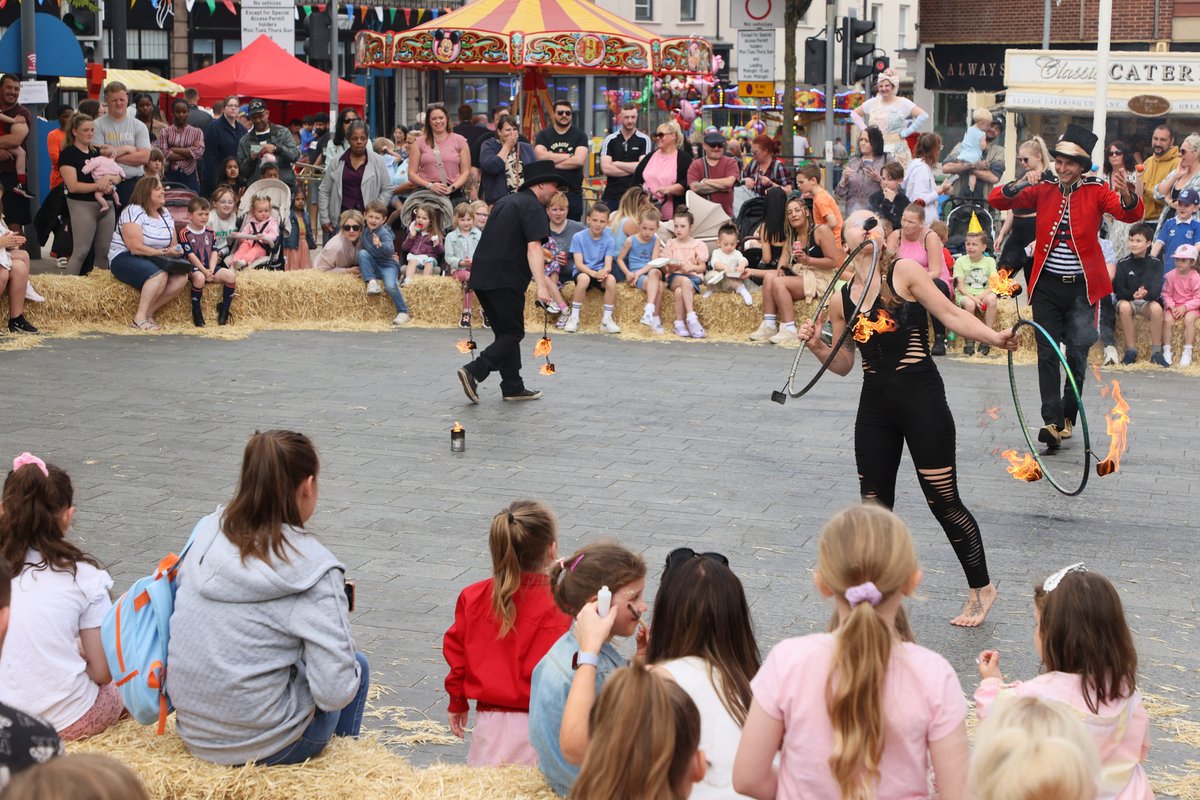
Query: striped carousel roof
pixel 506 16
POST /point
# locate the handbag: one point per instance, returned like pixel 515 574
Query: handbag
pixel 172 265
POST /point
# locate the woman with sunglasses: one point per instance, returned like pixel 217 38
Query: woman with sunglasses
pixel 340 253
pixel 567 146
pixel 440 159
pixel 1020 225
pixel 664 172
pixel 1119 155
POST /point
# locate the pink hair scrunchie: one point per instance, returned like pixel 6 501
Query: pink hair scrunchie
pixel 864 593
pixel 28 458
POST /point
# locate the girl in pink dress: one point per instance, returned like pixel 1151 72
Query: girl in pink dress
pixel 1091 666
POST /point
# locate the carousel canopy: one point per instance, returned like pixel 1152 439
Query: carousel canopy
pixel 558 36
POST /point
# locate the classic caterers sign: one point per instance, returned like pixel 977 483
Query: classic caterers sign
pixel 1060 67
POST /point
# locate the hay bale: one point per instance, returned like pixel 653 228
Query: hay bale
pixel 364 768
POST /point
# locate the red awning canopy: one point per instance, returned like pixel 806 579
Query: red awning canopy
pixel 266 70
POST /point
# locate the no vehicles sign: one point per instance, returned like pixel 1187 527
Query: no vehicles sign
pixel 750 14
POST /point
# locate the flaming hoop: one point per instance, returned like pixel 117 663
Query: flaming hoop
pixel 1038 330
pixel 789 388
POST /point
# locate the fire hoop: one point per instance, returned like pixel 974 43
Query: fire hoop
pixel 1038 330
pixel 789 389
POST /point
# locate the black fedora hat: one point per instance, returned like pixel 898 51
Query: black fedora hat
pixel 543 171
pixel 1076 144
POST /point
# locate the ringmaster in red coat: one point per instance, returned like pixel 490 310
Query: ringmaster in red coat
pixel 1069 276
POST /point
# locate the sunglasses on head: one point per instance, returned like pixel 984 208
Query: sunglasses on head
pixel 682 555
pixel 350 227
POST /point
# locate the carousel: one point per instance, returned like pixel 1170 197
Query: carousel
pixel 534 38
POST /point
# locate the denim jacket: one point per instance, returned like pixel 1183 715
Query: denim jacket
pixel 548 697
pixel 387 243
pixel 292 240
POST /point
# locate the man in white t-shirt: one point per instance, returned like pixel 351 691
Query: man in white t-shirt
pixel 800 145
pixel 126 134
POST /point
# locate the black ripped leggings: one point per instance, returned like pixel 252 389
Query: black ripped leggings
pixel 910 407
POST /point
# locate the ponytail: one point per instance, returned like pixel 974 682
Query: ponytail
pixel 33 502
pixel 274 464
pixel 520 540
pixel 576 579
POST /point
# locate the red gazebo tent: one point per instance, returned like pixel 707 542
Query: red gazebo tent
pixel 266 70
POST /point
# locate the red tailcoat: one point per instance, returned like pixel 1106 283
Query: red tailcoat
pixel 1090 200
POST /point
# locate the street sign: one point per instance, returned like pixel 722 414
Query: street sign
pixel 756 55
pixel 274 18
pixel 756 89
pixel 745 14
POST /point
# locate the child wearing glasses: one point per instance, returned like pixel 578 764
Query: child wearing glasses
pixel 1091 665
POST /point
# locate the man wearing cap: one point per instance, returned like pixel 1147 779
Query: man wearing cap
pixel 620 153
pixel 713 176
pixel 1069 276
pixel 1181 229
pixel 507 256
pixel 265 144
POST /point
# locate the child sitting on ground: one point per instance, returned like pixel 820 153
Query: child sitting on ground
pixel 422 248
pixel 1181 303
pixel 685 272
pixel 377 258
pixel 259 232
pixel 970 151
pixel 199 248
pixel 729 265
pixel 557 251
pixel 890 201
pixel 1090 665
pixel 1181 229
pixel 301 241
pixel 54 665
pixel 502 628
pixel 634 260
pixel 972 273
pixel 460 251
pixel 857 712
pixel 223 219
pixel 594 251
pixel 1137 287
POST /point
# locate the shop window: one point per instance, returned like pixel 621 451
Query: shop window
pixel 687 10
pixel 643 10
pixel 902 30
pixel 950 118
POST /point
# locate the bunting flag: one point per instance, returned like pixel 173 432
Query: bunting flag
pixel 379 13
pixel 407 14
pixel 212 6
pixel 433 14
pixel 229 6
pixel 188 4
pixel 420 15
pixel 362 13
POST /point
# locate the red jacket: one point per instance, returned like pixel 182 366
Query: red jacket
pixel 496 672
pixel 1090 200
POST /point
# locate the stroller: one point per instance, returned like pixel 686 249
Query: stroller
pixel 438 206
pixel 178 197
pixel 709 218
pixel 958 221
pixel 281 209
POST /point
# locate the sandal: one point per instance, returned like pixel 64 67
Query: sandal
pixel 145 325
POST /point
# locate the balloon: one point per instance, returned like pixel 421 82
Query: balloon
pixel 687 111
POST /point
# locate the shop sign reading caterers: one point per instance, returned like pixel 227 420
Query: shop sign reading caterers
pixel 1158 70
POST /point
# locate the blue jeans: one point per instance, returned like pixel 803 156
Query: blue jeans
pixel 327 724
pixel 385 269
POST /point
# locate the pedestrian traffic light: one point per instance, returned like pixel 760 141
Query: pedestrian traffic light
pixel 853 50
pixel 879 65
pixel 814 61
pixel 83 22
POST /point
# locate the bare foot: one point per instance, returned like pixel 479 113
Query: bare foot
pixel 975 610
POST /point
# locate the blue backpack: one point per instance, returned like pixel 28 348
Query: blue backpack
pixel 135 634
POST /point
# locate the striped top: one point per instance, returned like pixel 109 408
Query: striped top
pixel 1062 258
pixel 186 137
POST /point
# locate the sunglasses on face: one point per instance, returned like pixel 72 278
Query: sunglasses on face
pixel 1023 160
pixel 715 145
pixel 682 555
pixel 352 227
pixel 565 113
pixel 659 135
pixel 1115 153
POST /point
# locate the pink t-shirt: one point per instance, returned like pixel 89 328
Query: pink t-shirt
pixel 694 253
pixel 921 694
pixel 661 170
pixel 450 150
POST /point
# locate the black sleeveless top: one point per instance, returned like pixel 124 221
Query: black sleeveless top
pixel 906 349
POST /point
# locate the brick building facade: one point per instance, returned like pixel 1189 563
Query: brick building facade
pixel 1072 22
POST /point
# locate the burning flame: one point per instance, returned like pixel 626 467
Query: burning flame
pixel 1002 285
pixel 1117 422
pixel 458 428
pixel 542 348
pixel 1022 467
pixel 864 328
pixel 1096 373
pixel 466 345
pixel 547 369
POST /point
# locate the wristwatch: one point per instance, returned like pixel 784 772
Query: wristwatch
pixel 579 659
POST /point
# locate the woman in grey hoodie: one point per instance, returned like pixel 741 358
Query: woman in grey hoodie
pixel 262 666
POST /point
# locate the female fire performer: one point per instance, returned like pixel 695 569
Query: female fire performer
pixel 903 399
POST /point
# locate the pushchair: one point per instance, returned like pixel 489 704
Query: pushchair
pixel 956 213
pixel 709 218
pixel 281 209
pixel 439 207
pixel 178 197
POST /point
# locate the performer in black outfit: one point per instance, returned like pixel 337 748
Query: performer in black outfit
pixel 508 255
pixel 903 398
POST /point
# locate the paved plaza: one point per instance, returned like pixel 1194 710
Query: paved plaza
pixel 656 444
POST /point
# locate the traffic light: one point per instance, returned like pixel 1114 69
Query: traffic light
pixel 83 22
pixel 853 30
pixel 318 26
pixel 814 61
pixel 879 65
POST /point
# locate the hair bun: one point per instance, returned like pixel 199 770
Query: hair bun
pixel 920 203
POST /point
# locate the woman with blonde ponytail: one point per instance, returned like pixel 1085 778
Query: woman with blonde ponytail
pixel 857 713
pixel 502 628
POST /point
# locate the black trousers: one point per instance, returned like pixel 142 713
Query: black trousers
pixel 575 204
pixel 910 408
pixel 506 311
pixel 1064 311
pixel 939 327
pixel 1108 320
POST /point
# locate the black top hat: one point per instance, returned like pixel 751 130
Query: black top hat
pixel 1076 144
pixel 543 171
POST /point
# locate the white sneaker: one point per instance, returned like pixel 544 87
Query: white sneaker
pixel 401 319
pixel 785 336
pixel 572 325
pixel 1110 356
pixel 1167 354
pixel 765 331
pixel 656 325
pixel 608 326
pixel 1185 360
pixel 373 287
pixel 647 319
pixel 31 294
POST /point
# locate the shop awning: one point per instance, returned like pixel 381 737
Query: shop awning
pixel 135 80
pixel 1139 84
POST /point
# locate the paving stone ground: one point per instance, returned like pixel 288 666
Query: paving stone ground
pixel 656 444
